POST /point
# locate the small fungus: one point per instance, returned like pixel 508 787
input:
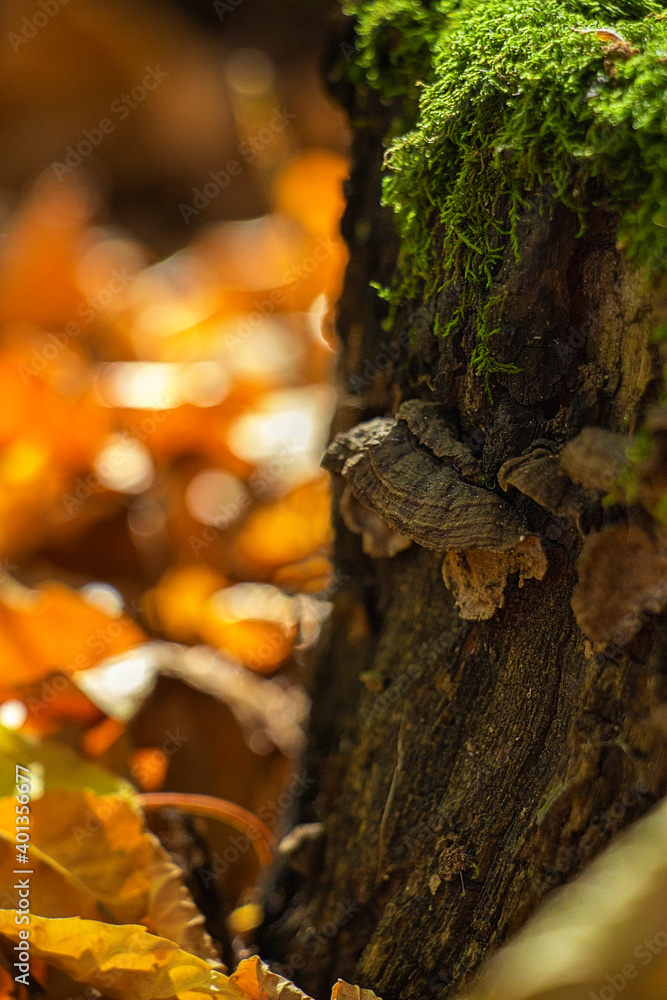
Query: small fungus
pixel 652 469
pixel 622 576
pixel 595 458
pixel 433 431
pixel 537 475
pixel 424 498
pixel 478 577
pixel 378 539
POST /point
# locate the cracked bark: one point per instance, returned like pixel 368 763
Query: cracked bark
pixel 475 765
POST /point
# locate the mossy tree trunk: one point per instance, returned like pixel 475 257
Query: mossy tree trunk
pixel 465 768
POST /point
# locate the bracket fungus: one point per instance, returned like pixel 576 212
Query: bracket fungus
pixel 595 458
pixel 652 469
pixel 424 498
pixel 538 475
pixel 622 576
pixel 477 577
pixel 622 569
pixel 436 433
pixel 378 539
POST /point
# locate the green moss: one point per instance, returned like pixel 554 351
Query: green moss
pixel 660 511
pixel 625 490
pixel 549 799
pixel 395 44
pixel 514 101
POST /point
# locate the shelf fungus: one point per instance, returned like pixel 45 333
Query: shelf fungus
pixel 595 458
pixel 378 539
pixel 538 475
pixel 437 434
pixel 422 497
pixel 622 574
pixel 622 569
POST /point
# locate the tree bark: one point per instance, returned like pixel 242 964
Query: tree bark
pixel 465 768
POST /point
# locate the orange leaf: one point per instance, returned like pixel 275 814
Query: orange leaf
pixel 175 605
pixel 285 531
pixel 54 628
pixel 259 983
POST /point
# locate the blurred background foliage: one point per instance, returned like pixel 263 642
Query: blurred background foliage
pixel 170 190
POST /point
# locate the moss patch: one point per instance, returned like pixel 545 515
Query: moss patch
pixel 395 44
pixel 516 97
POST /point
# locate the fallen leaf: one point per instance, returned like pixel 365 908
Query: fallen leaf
pixel 54 766
pixel 123 962
pixel 343 991
pixel 171 909
pixel 53 627
pixel 259 983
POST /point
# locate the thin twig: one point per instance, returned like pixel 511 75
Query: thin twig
pixel 400 754
pixel 209 807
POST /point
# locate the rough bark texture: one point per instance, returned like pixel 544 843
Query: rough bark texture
pixel 474 765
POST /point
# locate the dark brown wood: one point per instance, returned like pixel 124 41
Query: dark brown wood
pixel 465 768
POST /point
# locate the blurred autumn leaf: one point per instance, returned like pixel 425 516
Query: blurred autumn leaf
pixel 164 522
pixel 54 766
pixel 52 627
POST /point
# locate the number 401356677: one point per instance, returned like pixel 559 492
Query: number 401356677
pixel 22 813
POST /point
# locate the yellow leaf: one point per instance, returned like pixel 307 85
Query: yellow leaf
pixel 55 764
pixel 99 840
pixel 91 857
pixel 124 963
pixel 171 910
pixel 53 891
